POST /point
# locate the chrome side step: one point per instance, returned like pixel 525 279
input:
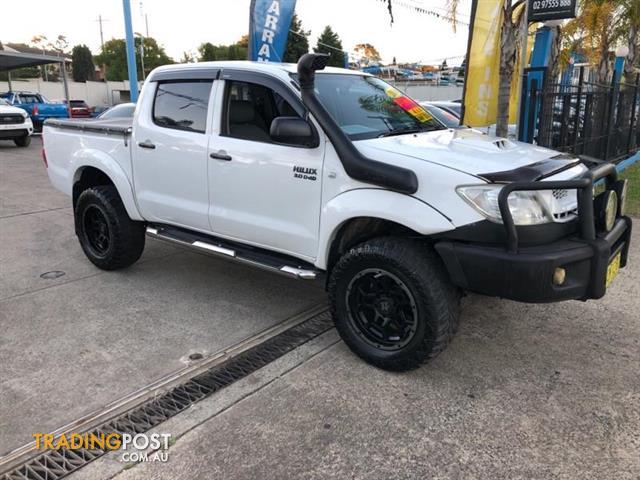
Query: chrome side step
pixel 254 257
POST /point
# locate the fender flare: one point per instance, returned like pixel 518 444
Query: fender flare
pixel 376 203
pixel 112 169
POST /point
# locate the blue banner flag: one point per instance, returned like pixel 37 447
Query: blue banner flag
pixel 269 28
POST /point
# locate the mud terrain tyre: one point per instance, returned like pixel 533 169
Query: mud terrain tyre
pixel 392 302
pixel 22 141
pixel 109 238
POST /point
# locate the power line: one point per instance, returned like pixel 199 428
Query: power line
pixel 425 11
pixel 320 43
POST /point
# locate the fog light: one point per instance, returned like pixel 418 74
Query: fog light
pixel 622 196
pixel 610 210
pixel 559 276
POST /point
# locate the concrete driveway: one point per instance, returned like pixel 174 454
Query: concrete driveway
pixel 72 344
pixel 524 391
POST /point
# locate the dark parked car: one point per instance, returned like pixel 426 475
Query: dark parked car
pixel 79 109
pixel 123 110
pixel 448 119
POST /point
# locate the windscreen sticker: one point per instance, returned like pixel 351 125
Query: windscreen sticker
pixel 392 92
pixel 413 109
pixel 408 105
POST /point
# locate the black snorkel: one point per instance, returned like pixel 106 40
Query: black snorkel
pixel 355 164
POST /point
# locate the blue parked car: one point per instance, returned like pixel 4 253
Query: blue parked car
pixel 37 106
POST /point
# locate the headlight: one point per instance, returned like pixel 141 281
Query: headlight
pixel 524 206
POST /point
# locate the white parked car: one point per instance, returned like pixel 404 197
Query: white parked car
pixel 15 124
pixel 339 175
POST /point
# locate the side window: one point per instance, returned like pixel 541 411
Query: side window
pixel 250 108
pixel 182 105
pixel 29 98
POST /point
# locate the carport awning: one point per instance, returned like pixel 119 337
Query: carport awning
pixel 13 60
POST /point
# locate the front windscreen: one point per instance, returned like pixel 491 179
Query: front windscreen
pixel 367 107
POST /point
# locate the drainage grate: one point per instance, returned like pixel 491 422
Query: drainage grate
pixel 56 464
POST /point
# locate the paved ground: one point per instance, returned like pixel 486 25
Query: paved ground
pixel 524 391
pixel 72 344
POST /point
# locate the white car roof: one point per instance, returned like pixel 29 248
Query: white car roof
pixel 282 70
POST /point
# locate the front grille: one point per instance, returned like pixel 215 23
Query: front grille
pixel 11 119
pixel 563 204
pixel 560 193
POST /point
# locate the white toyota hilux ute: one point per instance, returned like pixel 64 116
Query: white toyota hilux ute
pixel 317 172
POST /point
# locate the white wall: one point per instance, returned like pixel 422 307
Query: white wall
pixel 96 94
pixel 430 92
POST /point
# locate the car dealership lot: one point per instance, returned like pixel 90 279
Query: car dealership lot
pixel 524 390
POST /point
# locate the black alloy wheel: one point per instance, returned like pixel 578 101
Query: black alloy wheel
pixel 96 230
pixel 381 309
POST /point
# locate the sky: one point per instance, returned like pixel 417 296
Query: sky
pixel 182 26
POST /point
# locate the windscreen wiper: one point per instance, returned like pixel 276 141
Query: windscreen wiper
pixel 402 131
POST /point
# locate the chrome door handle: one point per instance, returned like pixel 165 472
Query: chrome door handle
pixel 221 155
pixel 147 144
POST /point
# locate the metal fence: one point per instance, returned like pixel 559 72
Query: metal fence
pixel 585 118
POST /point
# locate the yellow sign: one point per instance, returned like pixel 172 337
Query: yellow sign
pixel 483 65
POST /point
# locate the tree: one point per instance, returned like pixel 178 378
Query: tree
pixel 40 42
pixel 83 67
pixel 207 52
pixel 297 41
pixel 368 53
pixel 236 51
pixel 594 34
pixel 187 57
pixel 631 23
pixel 60 44
pixel 329 42
pixel 114 56
pixel 510 42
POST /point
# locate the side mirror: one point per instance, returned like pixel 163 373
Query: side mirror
pixel 294 130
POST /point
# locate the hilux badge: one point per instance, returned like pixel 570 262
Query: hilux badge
pixel 305 173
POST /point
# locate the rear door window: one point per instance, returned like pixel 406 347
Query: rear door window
pixel 27 98
pixel 182 105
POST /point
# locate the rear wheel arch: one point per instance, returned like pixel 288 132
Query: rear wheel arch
pixel 87 177
pixel 90 176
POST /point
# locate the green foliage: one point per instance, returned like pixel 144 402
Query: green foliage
pixel 329 42
pixel 114 56
pixel 633 196
pixel 29 72
pixel 297 43
pixel 236 51
pixel 82 60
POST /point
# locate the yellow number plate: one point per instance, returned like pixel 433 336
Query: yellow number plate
pixel 613 269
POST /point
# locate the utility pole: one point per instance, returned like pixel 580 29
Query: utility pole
pixel 101 33
pixel 104 66
pixel 141 53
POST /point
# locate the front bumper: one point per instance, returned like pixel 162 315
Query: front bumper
pixel 526 273
pixel 14 133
